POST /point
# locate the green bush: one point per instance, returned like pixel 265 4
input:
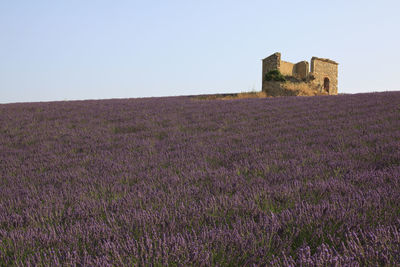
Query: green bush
pixel 275 75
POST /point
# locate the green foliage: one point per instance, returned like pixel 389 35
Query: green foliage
pixel 275 75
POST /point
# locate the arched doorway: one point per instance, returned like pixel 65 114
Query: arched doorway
pixel 326 85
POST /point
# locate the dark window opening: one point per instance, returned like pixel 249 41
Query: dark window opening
pixel 326 85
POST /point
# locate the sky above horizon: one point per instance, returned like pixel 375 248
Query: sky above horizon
pixel 69 50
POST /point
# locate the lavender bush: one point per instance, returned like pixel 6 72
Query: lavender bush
pixel 176 181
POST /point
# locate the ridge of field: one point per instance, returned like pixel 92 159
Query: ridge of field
pixel 309 181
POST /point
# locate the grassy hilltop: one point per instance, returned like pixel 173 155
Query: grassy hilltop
pixel 178 181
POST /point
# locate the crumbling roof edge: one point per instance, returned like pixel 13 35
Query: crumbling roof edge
pixel 276 53
pixel 324 60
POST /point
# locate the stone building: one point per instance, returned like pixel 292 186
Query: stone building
pixel 321 79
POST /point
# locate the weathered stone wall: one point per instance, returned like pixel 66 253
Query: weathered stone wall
pixel 302 69
pixel 272 88
pixel 287 68
pixel 270 63
pixel 324 68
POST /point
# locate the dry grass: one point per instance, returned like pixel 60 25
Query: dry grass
pixel 232 96
pixel 247 95
pixel 274 90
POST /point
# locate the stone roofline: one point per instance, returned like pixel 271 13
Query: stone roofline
pixel 313 58
pixel 325 60
pixel 277 53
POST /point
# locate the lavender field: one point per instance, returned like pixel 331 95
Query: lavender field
pixel 183 182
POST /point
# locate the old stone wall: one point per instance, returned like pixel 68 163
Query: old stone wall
pixel 270 63
pixel 291 89
pixel 302 69
pixel 287 68
pixel 323 69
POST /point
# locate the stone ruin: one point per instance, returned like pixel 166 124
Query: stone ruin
pixel 321 79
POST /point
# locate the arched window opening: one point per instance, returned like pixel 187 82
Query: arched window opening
pixel 326 85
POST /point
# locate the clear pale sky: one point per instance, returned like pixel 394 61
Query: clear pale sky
pixel 95 49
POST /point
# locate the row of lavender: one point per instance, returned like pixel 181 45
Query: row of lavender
pixel 175 181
